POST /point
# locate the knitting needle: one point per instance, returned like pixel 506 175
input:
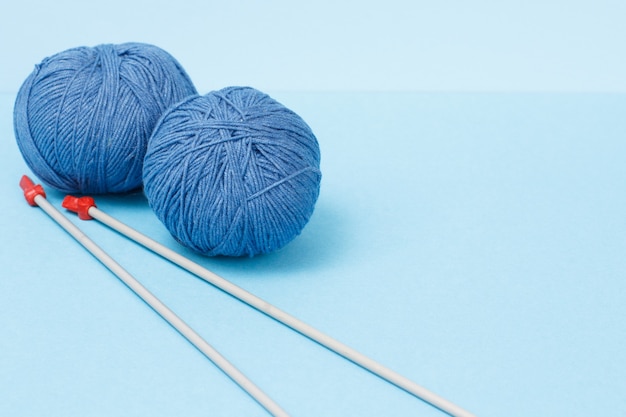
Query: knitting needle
pixel 86 209
pixel 35 196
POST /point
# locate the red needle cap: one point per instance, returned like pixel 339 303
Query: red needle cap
pixel 31 190
pixel 79 205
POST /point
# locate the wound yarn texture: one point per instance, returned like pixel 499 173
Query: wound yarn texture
pixel 83 117
pixel 233 172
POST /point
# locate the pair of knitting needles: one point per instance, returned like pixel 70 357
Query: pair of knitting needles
pixel 86 209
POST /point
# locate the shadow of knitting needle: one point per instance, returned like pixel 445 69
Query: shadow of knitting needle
pixel 86 209
pixel 35 196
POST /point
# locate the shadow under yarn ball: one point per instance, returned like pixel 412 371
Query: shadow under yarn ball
pixel 83 117
pixel 232 172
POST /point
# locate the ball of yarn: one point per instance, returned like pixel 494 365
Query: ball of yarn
pixel 83 117
pixel 233 172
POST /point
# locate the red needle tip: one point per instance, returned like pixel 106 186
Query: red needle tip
pixel 31 190
pixel 79 205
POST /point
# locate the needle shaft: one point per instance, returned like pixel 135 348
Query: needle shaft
pixel 281 316
pixel 159 307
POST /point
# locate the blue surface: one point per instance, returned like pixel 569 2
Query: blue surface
pixel 472 242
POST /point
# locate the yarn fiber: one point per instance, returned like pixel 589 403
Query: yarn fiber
pixel 233 172
pixel 83 117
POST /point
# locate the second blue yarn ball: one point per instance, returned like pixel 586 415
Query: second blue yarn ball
pixel 233 172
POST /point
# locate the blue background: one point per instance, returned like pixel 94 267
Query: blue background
pixel 451 45
pixel 470 232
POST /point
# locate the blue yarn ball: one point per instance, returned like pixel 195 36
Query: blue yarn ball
pixel 233 172
pixel 83 117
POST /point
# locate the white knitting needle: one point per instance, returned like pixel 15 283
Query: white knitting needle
pixel 86 209
pixel 35 196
